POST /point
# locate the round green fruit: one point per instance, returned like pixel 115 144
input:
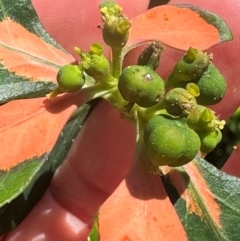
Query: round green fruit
pixel 209 139
pixel 170 141
pixel 212 85
pixel 70 78
pixel 141 85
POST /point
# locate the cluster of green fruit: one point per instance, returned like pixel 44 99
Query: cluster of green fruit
pixel 177 124
pixel 71 78
pixel 184 126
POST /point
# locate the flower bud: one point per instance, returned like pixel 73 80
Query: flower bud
pixel 115 29
pixel 94 63
pixel 200 118
pixel 98 67
pixel 141 85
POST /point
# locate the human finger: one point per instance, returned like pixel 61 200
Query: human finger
pixel 74 22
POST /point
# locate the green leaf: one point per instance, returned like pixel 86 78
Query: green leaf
pixel 206 200
pixel 22 12
pixel 24 89
pixel 22 186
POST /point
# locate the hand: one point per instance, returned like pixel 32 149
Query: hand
pixel 85 179
pixel 101 156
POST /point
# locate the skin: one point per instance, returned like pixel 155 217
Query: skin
pixel 87 177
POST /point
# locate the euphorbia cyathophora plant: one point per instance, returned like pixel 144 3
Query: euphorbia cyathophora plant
pixel 169 115
pixel 175 125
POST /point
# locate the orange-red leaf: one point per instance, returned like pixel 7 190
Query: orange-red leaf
pixel 179 27
pixel 25 54
pixel 31 127
pixel 139 210
pixel 201 186
pixel 205 199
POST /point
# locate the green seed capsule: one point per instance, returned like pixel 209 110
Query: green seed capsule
pixel 141 85
pixel 209 139
pixel 212 85
pixel 169 141
pixel 191 66
pixel 70 78
pixel 179 101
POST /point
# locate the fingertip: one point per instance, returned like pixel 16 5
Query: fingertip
pixel 232 166
pixel 74 23
pixel 49 221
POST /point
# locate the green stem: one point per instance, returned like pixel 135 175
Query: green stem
pixel 91 92
pixel 116 62
pixel 140 157
pixel 115 99
pixel 148 113
pixel 140 125
pixel 107 79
